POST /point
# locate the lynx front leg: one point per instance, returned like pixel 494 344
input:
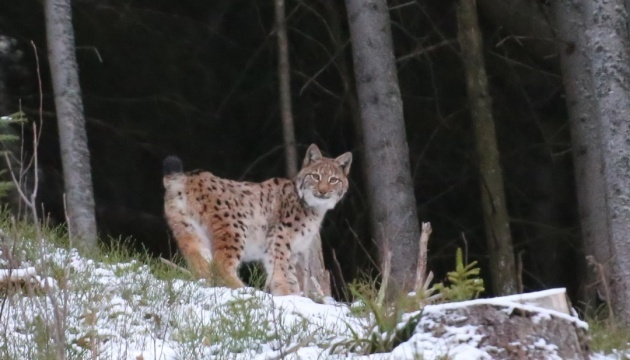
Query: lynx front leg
pixel 281 279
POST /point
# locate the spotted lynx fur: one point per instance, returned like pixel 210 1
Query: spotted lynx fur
pixel 219 223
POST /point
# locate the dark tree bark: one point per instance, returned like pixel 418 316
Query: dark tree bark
pixel 586 144
pixel 75 155
pixel 392 203
pixel 495 215
pixel 284 82
pixel 609 53
pixel 315 280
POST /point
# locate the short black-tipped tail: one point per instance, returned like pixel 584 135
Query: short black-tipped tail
pixel 172 165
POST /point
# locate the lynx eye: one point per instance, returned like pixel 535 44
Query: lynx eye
pixel 333 180
pixel 315 176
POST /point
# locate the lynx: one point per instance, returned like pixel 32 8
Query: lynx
pixel 219 223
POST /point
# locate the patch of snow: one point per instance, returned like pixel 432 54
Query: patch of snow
pixel 9 275
pixel 122 311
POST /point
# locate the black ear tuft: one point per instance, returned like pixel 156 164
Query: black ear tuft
pixel 172 165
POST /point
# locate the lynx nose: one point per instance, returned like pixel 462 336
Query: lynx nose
pixel 322 194
pixel 322 189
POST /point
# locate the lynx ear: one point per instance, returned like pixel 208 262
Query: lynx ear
pixel 312 154
pixel 345 160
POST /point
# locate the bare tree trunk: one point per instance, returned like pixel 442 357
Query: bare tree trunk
pixel 390 189
pixel 585 138
pixel 314 278
pixel 609 52
pixel 284 80
pixel 75 155
pixel 496 219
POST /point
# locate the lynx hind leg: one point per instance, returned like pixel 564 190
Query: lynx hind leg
pixel 194 246
pixel 227 251
pixel 281 278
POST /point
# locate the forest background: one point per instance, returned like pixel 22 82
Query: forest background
pixel 199 79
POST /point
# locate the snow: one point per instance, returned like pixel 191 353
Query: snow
pixel 122 311
pixel 15 274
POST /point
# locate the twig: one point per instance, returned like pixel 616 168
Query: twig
pixel 320 71
pixel 257 160
pixel 293 348
pixel 361 245
pixel 425 50
pixel 30 201
pixel 19 189
pixel 466 245
pixel 174 266
pixel 396 7
pixel 602 279
pixel 422 255
pixel 338 268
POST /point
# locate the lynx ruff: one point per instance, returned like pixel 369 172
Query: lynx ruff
pixel 219 223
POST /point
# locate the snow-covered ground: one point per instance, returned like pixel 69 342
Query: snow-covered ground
pixel 122 311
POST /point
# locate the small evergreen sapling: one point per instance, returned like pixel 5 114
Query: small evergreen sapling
pixel 465 283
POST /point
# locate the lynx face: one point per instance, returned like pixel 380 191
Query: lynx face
pixel 322 182
pixel 218 223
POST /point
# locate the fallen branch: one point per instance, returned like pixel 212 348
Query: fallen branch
pixel 174 266
pixel 292 349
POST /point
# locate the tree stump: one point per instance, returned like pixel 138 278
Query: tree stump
pixel 528 326
pixel 313 277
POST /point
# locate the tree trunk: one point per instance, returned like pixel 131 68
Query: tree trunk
pixel 609 52
pixel 334 12
pixel 314 279
pixel 496 219
pixel 75 155
pixel 586 144
pixel 284 81
pixel 390 189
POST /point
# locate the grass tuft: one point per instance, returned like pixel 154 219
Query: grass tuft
pixel 606 335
